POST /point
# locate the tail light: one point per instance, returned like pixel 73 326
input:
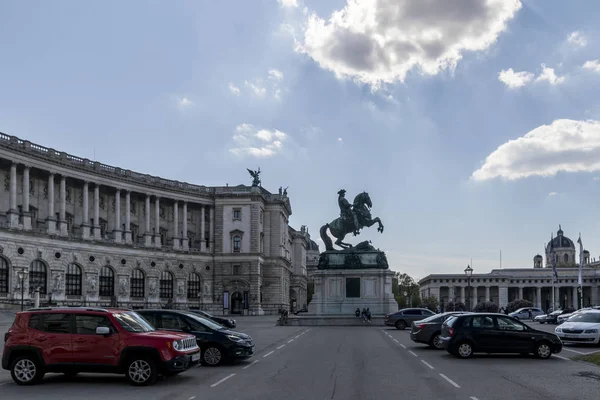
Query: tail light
pixel 387 316
pixel 421 326
pixel 450 331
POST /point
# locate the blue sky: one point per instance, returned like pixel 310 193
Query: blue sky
pixel 473 126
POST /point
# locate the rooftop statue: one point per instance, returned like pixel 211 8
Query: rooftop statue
pixel 352 219
pixel 255 176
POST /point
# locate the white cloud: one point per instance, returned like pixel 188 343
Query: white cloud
pixel 514 80
pixel 340 140
pixel 256 87
pixel 234 89
pixel 551 194
pixel 577 38
pixel 288 3
pixel 563 146
pixel 592 65
pixel 184 102
pixel 255 142
pixel 375 41
pixel 550 76
pixel 275 74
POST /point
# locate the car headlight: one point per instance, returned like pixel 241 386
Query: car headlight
pixel 234 338
pixel 558 330
pixel 176 345
pixel 591 331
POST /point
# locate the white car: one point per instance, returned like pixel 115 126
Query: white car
pixel 583 327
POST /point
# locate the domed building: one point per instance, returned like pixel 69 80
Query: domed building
pixel 564 251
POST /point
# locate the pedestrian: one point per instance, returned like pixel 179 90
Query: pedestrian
pixel 369 315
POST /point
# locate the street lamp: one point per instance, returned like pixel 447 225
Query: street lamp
pixel 22 276
pixel 406 298
pixel 469 272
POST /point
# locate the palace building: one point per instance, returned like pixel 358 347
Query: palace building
pixel 82 232
pixel 534 284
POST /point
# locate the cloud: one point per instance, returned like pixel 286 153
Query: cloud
pixel 184 102
pixel 592 65
pixel 380 41
pixel 563 146
pixel 252 141
pixel 514 80
pixel 551 194
pixel 275 74
pixel 234 89
pixel 340 140
pixel 288 3
pixel 258 90
pixel 577 39
pixel 261 87
pixel 550 76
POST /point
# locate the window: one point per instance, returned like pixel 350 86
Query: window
pixel 150 317
pixel 107 281
pixel 166 285
pixel 262 216
pixel 38 276
pixel 482 322
pixel 56 323
pixel 237 214
pixel 237 243
pixel 3 276
pixel 262 242
pixel 35 321
pixel 137 283
pixel 507 324
pixel 236 270
pixel 87 324
pixel 566 258
pixel 172 321
pixel 73 280
pixel 194 286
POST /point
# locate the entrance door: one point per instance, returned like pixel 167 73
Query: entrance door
pixel 236 303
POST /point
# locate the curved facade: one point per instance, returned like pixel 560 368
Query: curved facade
pixel 86 232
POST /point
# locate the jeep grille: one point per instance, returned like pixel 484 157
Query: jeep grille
pixel 189 343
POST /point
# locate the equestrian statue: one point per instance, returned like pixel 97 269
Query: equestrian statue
pixel 353 217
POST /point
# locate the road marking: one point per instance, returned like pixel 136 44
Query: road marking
pixel 450 381
pixel 249 365
pixel 290 341
pixel 396 341
pixel 283 345
pixel 426 363
pixel 413 353
pixel 579 352
pixel 561 357
pixel 474 398
pixel 296 337
pixel 3 383
pixel 268 354
pixel 222 380
pixel 192 398
pixel 403 346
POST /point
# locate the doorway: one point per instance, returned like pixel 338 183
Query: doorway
pixel 236 303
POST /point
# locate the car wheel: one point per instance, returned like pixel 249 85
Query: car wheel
pixel 401 325
pixel 542 322
pixel 543 350
pixel 436 341
pixel 212 356
pixel 26 370
pixel 141 371
pixel 464 350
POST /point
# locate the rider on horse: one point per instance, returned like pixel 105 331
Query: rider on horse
pixel 346 211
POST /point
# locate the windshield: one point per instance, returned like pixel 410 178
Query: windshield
pixel 206 322
pixel 586 317
pixel 133 322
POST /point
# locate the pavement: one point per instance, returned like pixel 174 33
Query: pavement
pixel 313 363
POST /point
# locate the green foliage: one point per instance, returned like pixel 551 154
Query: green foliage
pixel 516 304
pixel 487 306
pixel 403 283
pixel 458 306
pixel 430 302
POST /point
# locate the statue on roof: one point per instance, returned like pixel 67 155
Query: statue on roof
pixel 255 176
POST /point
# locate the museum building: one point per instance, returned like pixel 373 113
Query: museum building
pixel 82 232
pixel 534 284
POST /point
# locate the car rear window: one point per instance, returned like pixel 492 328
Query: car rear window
pixel 35 321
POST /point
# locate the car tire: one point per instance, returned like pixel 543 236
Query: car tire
pixel 401 325
pixel 212 356
pixel 464 350
pixel 541 323
pixel 26 370
pixel 141 371
pixel 543 350
pixel 436 341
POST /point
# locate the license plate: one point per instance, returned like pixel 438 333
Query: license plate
pixel 196 357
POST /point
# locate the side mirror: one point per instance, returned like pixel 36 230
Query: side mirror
pixel 103 330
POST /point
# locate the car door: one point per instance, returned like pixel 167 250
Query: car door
pixel 52 334
pixel 412 315
pixel 484 333
pixel 91 348
pixel 514 336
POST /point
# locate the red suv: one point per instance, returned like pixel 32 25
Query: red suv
pixel 72 340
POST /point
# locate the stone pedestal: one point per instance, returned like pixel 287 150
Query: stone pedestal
pixel 27 221
pixel 13 218
pixel 148 240
pixel 118 235
pixel 85 231
pixel 128 238
pixel 51 226
pixel 157 241
pixel 62 226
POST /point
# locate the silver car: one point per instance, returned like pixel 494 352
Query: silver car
pixel 527 313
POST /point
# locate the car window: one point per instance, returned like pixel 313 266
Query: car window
pixel 151 318
pixel 482 321
pixel 56 323
pixel 427 312
pixel 172 321
pixel 133 322
pixel 195 325
pixel 35 321
pixel 412 312
pixel 87 324
pixel 586 317
pixel 206 322
pixel 507 324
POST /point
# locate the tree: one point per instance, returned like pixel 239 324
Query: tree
pixel 487 306
pixel 458 306
pixel 516 304
pixel 402 283
pixel 430 302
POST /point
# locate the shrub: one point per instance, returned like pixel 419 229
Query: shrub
pixel 516 304
pixel 458 306
pixel 487 306
pixel 430 302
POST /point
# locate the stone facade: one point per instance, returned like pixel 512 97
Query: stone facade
pixel 90 233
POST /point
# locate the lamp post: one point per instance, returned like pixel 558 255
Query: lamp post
pixel 469 272
pixel 22 276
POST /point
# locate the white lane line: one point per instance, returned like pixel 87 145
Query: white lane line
pixel 474 398
pixel 283 345
pixel 561 357
pixel 249 365
pixel 396 341
pixel 290 341
pixel 450 381
pixel 403 346
pixel 192 398
pixel 296 337
pixel 413 353
pixel 578 352
pixel 426 363
pixel 222 380
pixel 268 354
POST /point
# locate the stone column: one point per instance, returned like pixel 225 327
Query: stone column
pixel 128 238
pixel 463 299
pixel 556 297
pixel 13 213
pixel 26 214
pixel 574 298
pixel 118 232
pixel 184 240
pixel 211 229
pixel 51 221
pixel 520 292
pixel 97 232
pixel 62 223
pixel 503 296
pixel 202 229
pixel 157 223
pixel 538 296
pixel 147 232
pixel 176 243
pixel 451 294
pixel 85 226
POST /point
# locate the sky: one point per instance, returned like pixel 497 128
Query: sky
pixel 474 125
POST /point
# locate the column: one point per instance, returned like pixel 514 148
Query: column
pixel 502 296
pixel 211 229
pixel 147 232
pixel 556 304
pixel 462 295
pixel 202 229
pixel 97 232
pixel 62 219
pixel 574 298
pixel 118 232
pixel 487 293
pixel 520 293
pixel 13 213
pixel 85 226
pixel 176 225
pixel 451 293
pixel 26 214
pixel 128 238
pixel 538 296
pixel 51 220
pixel 184 239
pixel 157 223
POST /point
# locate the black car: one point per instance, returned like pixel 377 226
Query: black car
pixel 227 322
pixel 463 335
pixel 217 343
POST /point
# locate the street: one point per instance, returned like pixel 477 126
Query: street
pixel 370 362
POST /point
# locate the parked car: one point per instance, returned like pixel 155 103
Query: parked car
pixel 542 319
pixel 217 343
pixel 552 318
pixel 83 339
pixel 403 318
pixel 464 335
pixel 581 328
pixel 565 317
pixel 524 313
pixel 429 330
pixel 227 322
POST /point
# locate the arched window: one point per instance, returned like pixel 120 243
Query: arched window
pixel 166 285
pixel 3 276
pixel 194 286
pixel 237 243
pixel 566 258
pixel 73 280
pixel 107 282
pixel 137 283
pixel 38 276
